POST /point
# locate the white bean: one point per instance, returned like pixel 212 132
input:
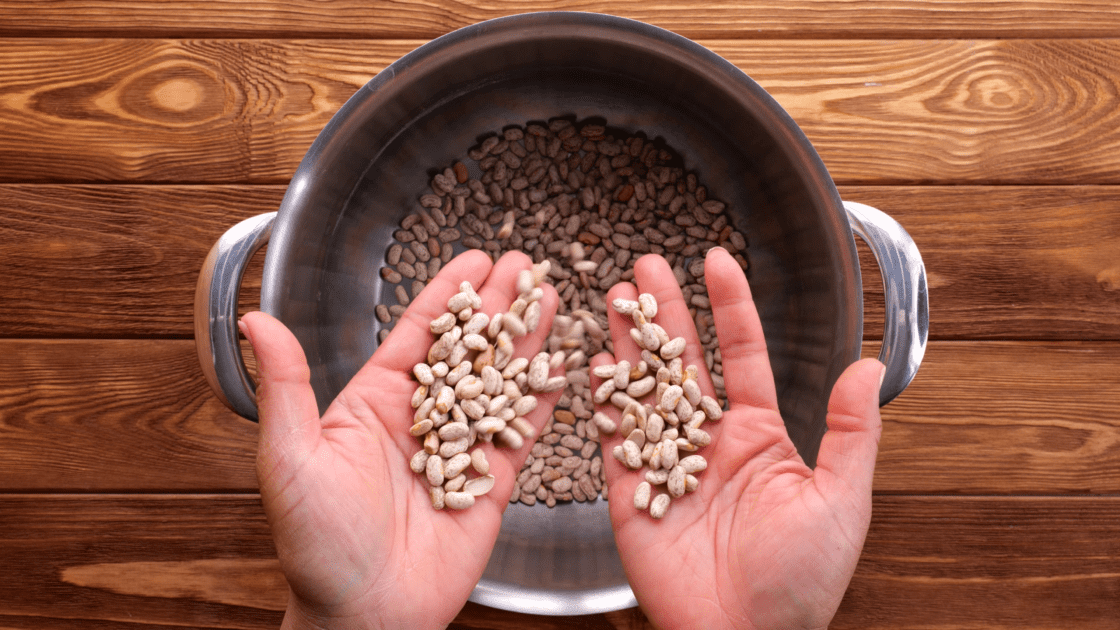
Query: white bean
pixel 479 485
pixel 458 500
pixel 641 496
pixel 659 506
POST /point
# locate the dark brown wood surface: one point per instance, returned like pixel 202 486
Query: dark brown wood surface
pixel 134 133
pixel 1043 257
pixel 134 561
pixel 981 418
pixel 878 111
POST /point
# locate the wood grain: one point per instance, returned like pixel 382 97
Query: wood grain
pixel 174 111
pixel 422 18
pixel 122 260
pixel 135 132
pixel 137 416
pixel 119 261
pixel 1008 112
pixel 1007 262
pixel 224 540
pixel 1005 418
pixel 207 561
pixel 115 415
pixel 238 111
pixel 986 562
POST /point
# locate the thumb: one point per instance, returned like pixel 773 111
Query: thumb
pixel 289 415
pixel 848 449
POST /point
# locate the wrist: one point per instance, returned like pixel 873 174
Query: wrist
pixel 299 616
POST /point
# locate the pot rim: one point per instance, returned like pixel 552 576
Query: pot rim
pixel 457 44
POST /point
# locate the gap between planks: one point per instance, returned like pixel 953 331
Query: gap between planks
pixel 754 19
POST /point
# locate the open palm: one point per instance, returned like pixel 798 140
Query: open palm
pixel 357 536
pixel 765 541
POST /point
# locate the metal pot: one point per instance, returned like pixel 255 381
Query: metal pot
pixel 364 171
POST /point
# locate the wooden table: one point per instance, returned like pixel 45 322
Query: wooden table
pixel 133 133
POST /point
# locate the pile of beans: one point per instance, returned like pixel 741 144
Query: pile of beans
pixel 589 200
pixel 472 389
pixel 658 432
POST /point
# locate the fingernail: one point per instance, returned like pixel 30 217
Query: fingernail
pixel 720 249
pixel 882 375
pixel 244 330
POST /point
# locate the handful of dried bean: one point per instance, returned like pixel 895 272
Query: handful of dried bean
pixel 656 434
pixel 589 200
pixel 472 389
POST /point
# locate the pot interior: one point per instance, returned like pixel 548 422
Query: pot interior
pixel 369 166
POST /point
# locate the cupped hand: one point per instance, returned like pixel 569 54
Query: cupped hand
pixel 358 539
pixel 765 541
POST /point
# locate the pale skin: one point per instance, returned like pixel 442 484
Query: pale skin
pixel 357 537
pixel 765 542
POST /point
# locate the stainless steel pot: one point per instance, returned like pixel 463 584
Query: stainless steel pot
pixel 364 171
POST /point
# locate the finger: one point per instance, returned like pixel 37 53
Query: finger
pixel 624 350
pixel 621 480
pixel 289 415
pixel 499 292
pixel 410 339
pixel 507 462
pixel 618 476
pixel 500 288
pixel 624 347
pixel 654 276
pixel 747 376
pixel 848 449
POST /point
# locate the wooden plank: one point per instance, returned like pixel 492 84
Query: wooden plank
pixel 142 561
pixel 1005 418
pixel 173 111
pixel 980 418
pixel 986 562
pixel 1006 262
pixel 955 111
pixel 139 561
pixel 122 261
pixel 235 111
pixel 380 18
pixel 117 415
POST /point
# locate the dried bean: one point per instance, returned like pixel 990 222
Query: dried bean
pixel 458 500
pixel 479 486
pixel 642 496
pixel 659 506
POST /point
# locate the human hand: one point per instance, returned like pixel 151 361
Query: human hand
pixel 765 541
pixel 357 536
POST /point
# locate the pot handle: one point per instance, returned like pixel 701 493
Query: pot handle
pixel 216 335
pixel 906 295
